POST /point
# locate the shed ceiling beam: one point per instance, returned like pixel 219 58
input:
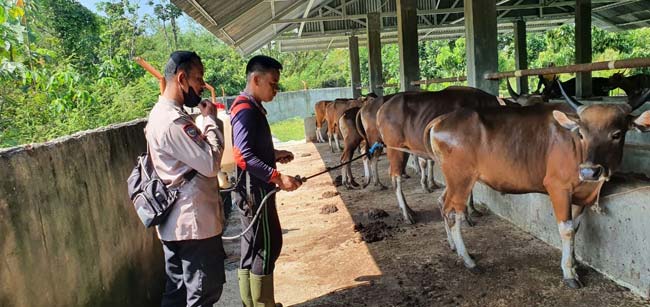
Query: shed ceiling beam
pixel 392 33
pixel 263 26
pixel 341 13
pixel 307 10
pixel 612 5
pixel 438 11
pixel 444 18
pixel 634 22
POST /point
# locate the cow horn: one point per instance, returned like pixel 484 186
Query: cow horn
pixel 638 100
pixel 512 92
pixel 570 100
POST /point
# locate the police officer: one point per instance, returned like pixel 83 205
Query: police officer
pixel 256 157
pixel 188 157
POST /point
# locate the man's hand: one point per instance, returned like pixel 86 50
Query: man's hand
pixel 283 156
pixel 287 183
pixel 207 108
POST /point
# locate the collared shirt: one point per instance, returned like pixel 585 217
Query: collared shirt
pixel 252 142
pixel 177 146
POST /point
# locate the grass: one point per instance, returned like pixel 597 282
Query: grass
pixel 289 130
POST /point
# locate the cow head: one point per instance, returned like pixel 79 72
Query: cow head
pixel 551 89
pixel 602 130
pixel 616 79
pixel 525 99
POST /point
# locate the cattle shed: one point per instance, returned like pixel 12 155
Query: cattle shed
pixel 616 243
pixel 323 24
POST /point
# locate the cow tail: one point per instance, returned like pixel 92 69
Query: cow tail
pixel 427 139
pixel 360 129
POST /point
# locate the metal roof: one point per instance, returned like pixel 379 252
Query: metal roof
pixel 248 25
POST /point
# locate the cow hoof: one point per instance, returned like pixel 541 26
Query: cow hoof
pixel 476 270
pixel 573 283
pixel 405 176
pixel 476 213
pixel 470 222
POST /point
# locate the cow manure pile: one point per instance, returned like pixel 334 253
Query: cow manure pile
pixel 376 214
pixel 329 208
pixel 330 194
pixel 373 231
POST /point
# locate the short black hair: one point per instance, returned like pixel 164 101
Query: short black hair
pixel 262 63
pixel 181 60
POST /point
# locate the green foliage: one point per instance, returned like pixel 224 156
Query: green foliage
pixel 64 69
pixel 289 130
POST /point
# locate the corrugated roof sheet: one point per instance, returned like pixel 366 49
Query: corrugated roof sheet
pixel 248 25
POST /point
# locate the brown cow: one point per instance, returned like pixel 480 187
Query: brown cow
pixel 333 111
pixel 319 109
pixel 565 151
pixel 367 126
pixel 351 141
pixel 402 121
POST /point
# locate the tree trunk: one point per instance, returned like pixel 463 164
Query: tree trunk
pixel 166 35
pixel 172 21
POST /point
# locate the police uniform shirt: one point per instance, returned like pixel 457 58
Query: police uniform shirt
pixel 177 146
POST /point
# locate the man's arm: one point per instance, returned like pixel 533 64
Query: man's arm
pixel 186 143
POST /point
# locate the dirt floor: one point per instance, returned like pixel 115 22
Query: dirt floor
pixel 352 248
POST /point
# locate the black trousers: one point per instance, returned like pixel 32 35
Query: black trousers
pixel 195 272
pixel 260 246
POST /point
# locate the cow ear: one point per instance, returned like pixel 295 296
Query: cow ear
pixel 642 122
pixel 565 121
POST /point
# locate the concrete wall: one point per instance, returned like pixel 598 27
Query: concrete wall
pixel 68 233
pixel 288 105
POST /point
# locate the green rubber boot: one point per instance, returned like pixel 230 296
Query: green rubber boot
pixel 245 287
pixel 262 291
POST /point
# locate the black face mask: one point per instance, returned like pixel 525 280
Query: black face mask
pixel 190 98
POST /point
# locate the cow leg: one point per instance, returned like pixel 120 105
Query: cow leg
pixel 457 236
pixel 406 159
pixel 431 182
pixel 375 173
pixel 472 209
pixel 441 205
pixel 577 212
pixel 416 164
pixel 561 199
pixel 344 177
pixel 319 135
pixel 567 231
pixel 407 213
pixel 366 171
pixel 329 140
pixel 397 160
pixel 336 142
pixel 423 175
pixel 456 194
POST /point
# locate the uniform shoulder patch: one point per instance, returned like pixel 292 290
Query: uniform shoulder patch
pixel 193 132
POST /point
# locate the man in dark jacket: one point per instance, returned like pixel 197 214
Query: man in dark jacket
pixel 256 156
